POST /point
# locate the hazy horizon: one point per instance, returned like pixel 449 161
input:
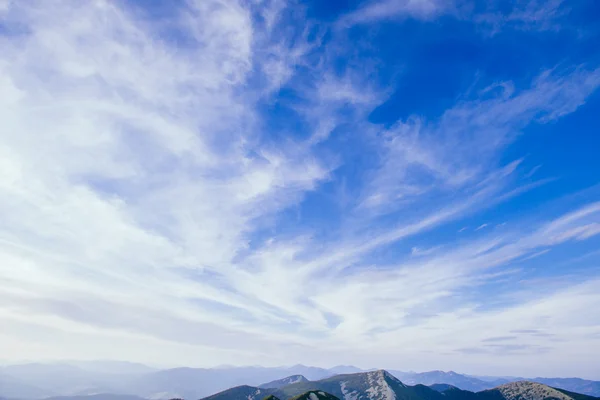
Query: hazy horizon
pixel 400 184
pixel 159 367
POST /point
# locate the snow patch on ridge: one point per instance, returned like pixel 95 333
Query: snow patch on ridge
pixel 348 395
pixel 378 387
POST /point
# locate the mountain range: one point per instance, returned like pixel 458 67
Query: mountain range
pixel 381 385
pixel 39 381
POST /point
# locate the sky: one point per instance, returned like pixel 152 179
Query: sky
pixel 403 184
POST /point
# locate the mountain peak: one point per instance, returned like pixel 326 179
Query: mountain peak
pixel 315 395
pixel 526 390
pixel 279 383
pixel 379 385
pixel 385 376
pixel 271 397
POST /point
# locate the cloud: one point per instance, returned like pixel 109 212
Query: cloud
pixel 525 331
pixel 392 9
pixel 458 150
pixel 524 15
pixel 151 162
pixel 145 169
pixel 499 338
pixel 492 16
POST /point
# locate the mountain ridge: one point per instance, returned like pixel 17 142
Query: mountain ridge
pixel 279 383
pixel 381 385
pixel 34 381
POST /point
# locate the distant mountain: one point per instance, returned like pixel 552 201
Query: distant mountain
pixel 11 387
pixel 578 385
pixel 344 369
pixel 58 379
pixel 101 396
pixel 464 382
pixel 279 383
pixel 194 383
pixel 524 390
pixel 112 367
pixel 311 373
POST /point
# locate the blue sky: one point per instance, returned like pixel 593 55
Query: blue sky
pixel 408 184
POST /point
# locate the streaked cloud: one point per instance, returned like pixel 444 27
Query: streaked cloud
pixel 206 184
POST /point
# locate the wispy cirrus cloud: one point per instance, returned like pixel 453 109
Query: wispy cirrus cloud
pixel 392 9
pixel 458 150
pixel 493 16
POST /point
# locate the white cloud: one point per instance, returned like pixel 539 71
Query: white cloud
pixel 128 164
pixel 391 9
pixel 140 189
pixel 434 158
pixel 494 16
pixel 524 15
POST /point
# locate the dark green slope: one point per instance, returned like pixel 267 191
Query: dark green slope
pixel 440 387
pixel 454 393
pixel 271 397
pixel 242 393
pixel 315 395
pixel 577 396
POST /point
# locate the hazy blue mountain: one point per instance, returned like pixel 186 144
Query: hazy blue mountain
pixel 344 369
pixel 464 382
pixel 577 385
pixel 311 373
pixel 112 367
pixel 63 379
pixel 191 383
pixel 38 380
pixel 503 379
pixel 11 387
pixel 279 383
pixel 100 396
